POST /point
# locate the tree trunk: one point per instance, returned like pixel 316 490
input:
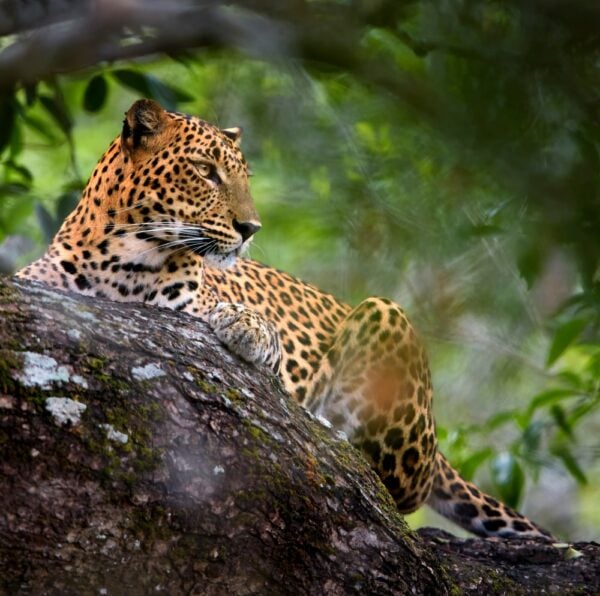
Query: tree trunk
pixel 137 455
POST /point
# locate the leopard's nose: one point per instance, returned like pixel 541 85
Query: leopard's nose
pixel 246 228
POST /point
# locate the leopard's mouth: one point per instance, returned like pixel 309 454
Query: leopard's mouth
pixel 200 241
pixel 205 251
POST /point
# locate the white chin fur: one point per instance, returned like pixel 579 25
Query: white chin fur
pixel 224 261
pixel 217 261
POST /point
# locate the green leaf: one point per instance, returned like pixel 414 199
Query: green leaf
pixel 30 93
pixel 500 419
pixel 529 264
pixel 66 203
pixel 132 79
pixel 469 466
pixel 48 224
pixel 16 140
pixel 185 58
pixel 484 229
pixel 508 477
pixel 547 398
pixel 7 118
pixel 41 127
pixel 572 553
pixel 10 189
pixel 59 112
pixel 150 86
pixel 441 432
pixel 564 336
pixel 531 437
pixel 561 420
pixel 564 454
pixel 21 170
pixel 95 94
pixel 570 377
pixel 17 211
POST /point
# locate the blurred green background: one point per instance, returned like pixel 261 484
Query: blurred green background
pixel 443 154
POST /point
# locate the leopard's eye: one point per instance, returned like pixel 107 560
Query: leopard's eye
pixel 203 169
pixel 208 171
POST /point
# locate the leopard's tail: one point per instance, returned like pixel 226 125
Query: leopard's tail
pixel 473 510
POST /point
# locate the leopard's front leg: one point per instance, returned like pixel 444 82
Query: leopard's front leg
pixel 247 334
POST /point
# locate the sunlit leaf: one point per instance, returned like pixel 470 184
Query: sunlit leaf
pixel 564 336
pixel 508 477
pixel 95 94
pixel 572 553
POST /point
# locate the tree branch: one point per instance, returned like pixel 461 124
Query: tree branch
pixel 137 454
pixel 112 30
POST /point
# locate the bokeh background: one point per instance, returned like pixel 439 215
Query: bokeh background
pixel 444 154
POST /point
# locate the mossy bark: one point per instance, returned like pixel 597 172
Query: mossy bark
pixel 190 471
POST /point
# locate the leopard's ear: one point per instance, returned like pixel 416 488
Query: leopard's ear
pixel 235 134
pixel 143 119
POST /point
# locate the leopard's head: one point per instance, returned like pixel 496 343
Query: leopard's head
pixel 184 185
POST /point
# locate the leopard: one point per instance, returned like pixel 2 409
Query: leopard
pixel 166 218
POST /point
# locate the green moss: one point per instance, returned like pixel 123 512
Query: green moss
pixel 150 523
pixel 8 294
pixel 257 433
pixel 206 387
pixel 234 395
pixel 8 363
pixel 97 367
pixel 96 363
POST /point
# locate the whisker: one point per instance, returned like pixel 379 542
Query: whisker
pixel 155 226
pixel 258 247
pixel 184 243
pixel 162 247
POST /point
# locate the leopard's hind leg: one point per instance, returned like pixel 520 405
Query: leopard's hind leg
pixel 374 384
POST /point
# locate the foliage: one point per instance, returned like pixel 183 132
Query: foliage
pixel 451 163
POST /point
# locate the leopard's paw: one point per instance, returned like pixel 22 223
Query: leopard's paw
pixel 246 333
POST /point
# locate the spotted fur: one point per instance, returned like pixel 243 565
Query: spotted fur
pixel 162 220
